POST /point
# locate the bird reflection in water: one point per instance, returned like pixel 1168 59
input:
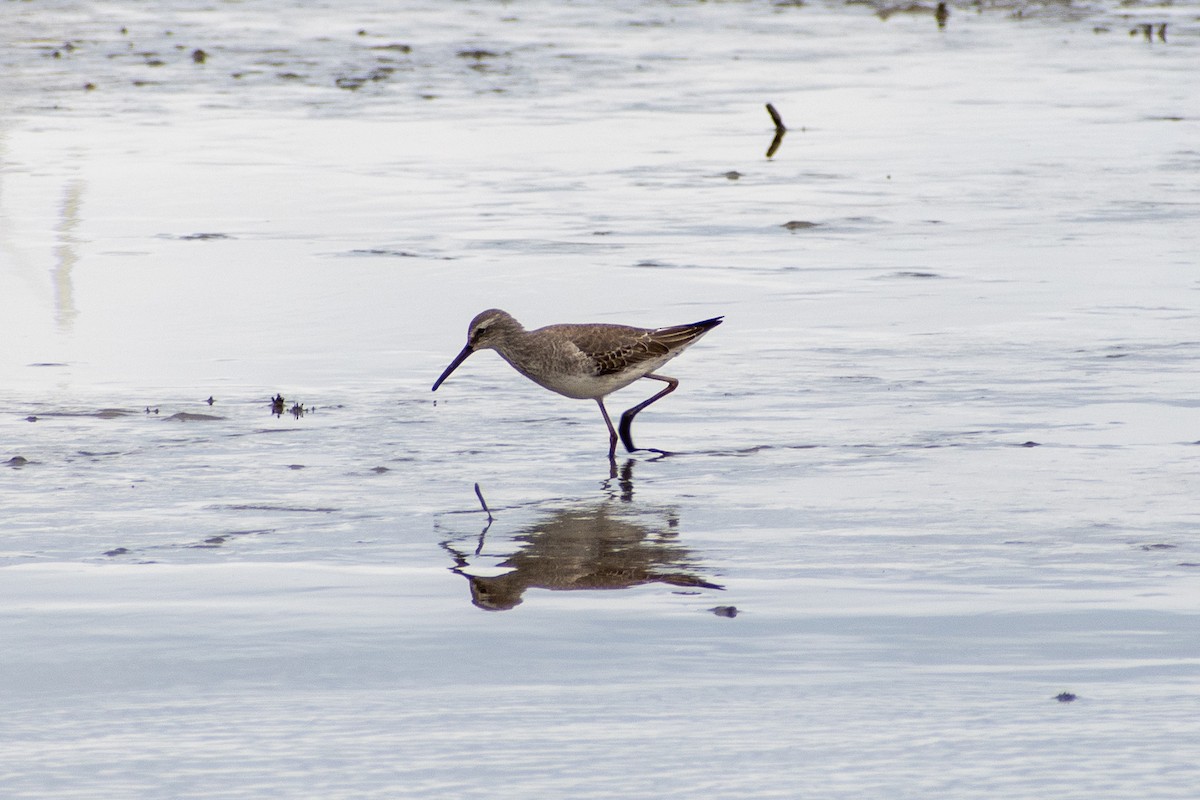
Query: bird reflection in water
pixel 593 546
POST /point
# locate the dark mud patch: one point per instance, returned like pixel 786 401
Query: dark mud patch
pixel 353 83
pixel 213 542
pixel 753 450
pixel 911 273
pixel 385 252
pixel 196 237
pixel 395 47
pixel 210 543
pixel 103 413
pixel 377 251
pixel 187 416
pixel 263 507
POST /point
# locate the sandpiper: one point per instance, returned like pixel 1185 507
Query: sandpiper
pixel 586 362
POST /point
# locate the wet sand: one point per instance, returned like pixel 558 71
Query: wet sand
pixel 927 527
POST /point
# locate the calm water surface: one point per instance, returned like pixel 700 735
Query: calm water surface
pixel 938 467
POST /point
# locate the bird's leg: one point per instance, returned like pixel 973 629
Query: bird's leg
pixel 627 417
pixel 612 434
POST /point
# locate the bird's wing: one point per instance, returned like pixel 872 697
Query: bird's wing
pixel 610 360
pixel 609 354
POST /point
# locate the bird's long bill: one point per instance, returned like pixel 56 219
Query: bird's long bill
pixel 458 359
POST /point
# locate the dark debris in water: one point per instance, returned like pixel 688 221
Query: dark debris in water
pixel 800 225
pixel 298 410
pixel 1158 546
pixel 16 461
pixel 1065 697
pixel 1149 30
pixel 725 611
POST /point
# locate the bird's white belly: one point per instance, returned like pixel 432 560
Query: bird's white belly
pixel 582 386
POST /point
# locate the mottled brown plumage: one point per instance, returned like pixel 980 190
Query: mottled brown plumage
pixel 583 361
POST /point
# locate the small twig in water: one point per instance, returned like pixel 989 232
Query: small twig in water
pixel 483 502
pixel 780 130
pixel 778 120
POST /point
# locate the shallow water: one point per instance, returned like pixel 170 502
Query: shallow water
pixel 938 466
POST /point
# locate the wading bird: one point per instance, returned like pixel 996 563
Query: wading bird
pixel 586 362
